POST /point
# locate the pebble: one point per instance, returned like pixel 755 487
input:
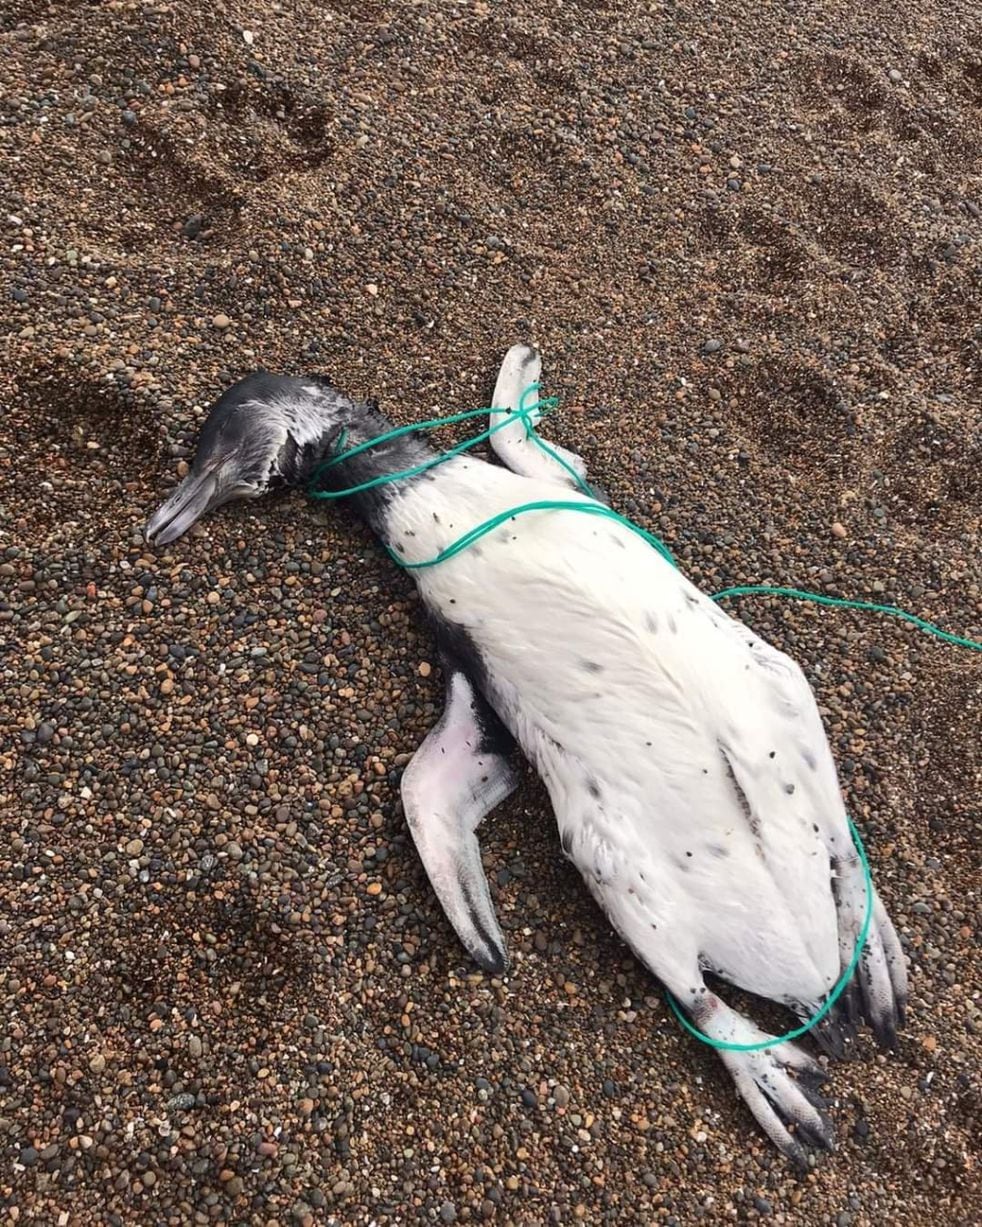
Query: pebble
pixel 221 321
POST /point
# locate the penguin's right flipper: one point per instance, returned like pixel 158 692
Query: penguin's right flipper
pixel 459 774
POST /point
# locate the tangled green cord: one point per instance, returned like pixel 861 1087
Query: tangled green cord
pixel 525 413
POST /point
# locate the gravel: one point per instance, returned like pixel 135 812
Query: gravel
pixel 750 254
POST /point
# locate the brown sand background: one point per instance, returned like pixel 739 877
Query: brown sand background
pixel 228 994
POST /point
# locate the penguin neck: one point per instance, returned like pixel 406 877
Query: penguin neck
pixel 392 457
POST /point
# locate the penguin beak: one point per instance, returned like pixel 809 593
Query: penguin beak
pixel 197 493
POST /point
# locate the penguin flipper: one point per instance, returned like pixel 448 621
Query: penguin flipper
pixel 520 369
pixel 459 774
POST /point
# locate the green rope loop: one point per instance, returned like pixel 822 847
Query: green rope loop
pixel 590 506
pixel 487 526
pixel 544 406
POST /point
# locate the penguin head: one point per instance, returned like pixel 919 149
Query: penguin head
pixel 266 431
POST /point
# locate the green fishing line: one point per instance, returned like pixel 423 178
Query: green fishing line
pixel 590 506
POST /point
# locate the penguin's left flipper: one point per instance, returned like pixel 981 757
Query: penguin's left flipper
pixel 512 444
pixel 459 774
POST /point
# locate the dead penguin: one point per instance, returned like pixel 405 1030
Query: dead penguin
pixel 685 758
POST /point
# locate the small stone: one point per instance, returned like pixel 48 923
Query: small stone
pixel 425 668
pixel 221 321
pixel 763 1207
pixel 97 1063
pixel 195 1047
pixel 838 530
pixel 213 597
pixel 561 1095
pixel 712 346
pixel 895 75
pixel 29 1156
pixel 134 847
pixel 448 1212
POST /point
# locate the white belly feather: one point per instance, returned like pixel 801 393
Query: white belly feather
pixel 684 757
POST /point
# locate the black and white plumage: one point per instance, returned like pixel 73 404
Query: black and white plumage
pixel 684 757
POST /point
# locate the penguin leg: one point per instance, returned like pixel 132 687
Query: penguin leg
pixel 511 444
pixel 462 770
pixel 777 1084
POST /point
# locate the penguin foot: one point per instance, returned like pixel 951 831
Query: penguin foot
pixel 791 1114
pixel 777 1084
